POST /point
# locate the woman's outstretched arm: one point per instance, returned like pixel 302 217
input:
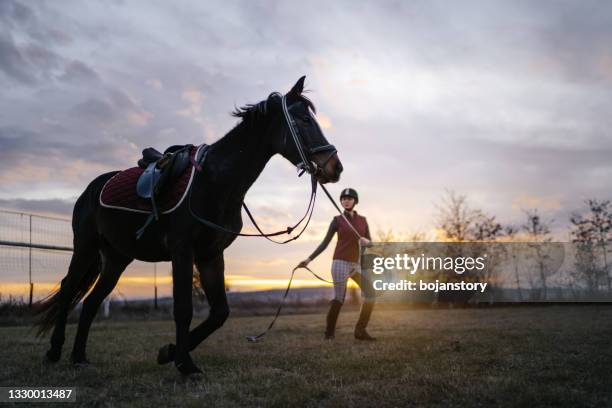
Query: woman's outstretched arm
pixel 333 227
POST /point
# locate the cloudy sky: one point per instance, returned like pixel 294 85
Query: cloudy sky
pixel 506 102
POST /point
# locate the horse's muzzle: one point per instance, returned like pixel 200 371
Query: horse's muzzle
pixel 330 170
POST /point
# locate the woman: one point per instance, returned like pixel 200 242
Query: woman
pixel 346 262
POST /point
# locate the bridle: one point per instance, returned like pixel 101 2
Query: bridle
pixel 306 165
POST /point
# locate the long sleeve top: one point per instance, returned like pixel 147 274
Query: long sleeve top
pixel 347 246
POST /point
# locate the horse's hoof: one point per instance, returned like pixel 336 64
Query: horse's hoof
pixel 187 367
pixel 166 354
pixel 52 356
pixel 80 361
pixel 81 364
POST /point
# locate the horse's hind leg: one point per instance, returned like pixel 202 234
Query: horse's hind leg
pixel 213 283
pixel 83 267
pixel 113 265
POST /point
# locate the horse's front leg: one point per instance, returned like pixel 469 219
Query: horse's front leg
pixel 182 275
pixel 212 278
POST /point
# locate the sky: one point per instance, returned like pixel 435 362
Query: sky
pixel 505 102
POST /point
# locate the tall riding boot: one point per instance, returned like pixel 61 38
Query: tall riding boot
pixel 364 318
pixel 332 318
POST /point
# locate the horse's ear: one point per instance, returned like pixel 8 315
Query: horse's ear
pixel 298 87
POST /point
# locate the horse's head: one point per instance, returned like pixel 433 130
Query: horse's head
pixel 291 129
pixel 301 139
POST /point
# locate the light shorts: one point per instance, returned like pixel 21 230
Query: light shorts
pixel 341 272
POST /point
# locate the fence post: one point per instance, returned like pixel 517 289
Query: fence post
pixel 30 265
pixel 155 285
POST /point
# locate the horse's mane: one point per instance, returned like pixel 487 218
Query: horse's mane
pixel 255 111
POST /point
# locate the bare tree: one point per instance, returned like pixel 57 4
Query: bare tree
pixel 455 217
pixel 511 232
pixel 538 231
pixel 593 231
pixel 486 231
pixel 587 270
pixel 486 228
pixel 461 223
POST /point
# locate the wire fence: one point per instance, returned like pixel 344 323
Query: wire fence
pixel 35 252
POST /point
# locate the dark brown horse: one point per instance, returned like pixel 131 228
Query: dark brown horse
pixel 105 241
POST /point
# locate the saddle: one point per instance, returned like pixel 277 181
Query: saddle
pixel 160 171
pixel 158 185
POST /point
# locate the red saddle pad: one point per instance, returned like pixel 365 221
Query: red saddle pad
pixel 120 191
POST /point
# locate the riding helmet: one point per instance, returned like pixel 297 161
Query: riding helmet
pixel 350 192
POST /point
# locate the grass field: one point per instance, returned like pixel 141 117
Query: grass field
pixel 528 356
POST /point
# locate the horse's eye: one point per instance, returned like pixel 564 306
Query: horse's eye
pixel 306 119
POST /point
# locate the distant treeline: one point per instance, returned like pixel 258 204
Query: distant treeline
pixel 585 273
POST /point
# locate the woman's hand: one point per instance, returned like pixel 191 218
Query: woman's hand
pixel 364 241
pixel 304 263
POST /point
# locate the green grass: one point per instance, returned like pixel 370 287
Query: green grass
pixel 528 356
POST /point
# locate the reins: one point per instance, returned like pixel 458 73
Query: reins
pixel 255 339
pixel 288 230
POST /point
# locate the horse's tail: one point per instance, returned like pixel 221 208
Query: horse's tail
pixel 84 266
pixel 49 307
